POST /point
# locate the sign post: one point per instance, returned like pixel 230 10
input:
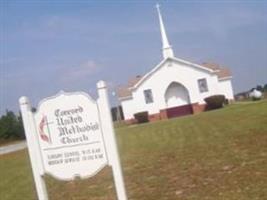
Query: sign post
pixel 33 147
pixel 70 136
pixel 109 135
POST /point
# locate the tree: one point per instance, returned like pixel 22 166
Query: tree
pixel 265 87
pixel 259 88
pixel 11 126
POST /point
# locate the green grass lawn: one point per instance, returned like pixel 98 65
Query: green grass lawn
pixel 219 154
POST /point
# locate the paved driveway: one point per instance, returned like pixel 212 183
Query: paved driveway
pixel 13 147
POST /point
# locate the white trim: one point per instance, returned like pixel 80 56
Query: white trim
pixel 161 64
pixel 225 78
pixel 63 93
pixel 194 65
pixel 149 73
pixel 125 98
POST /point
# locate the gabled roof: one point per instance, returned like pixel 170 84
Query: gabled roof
pixel 125 92
pixel 224 73
pixel 210 65
pixel 221 72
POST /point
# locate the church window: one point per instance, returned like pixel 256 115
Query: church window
pixel 148 96
pixel 202 85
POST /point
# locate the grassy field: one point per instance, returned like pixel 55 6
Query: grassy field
pixel 6 142
pixel 219 154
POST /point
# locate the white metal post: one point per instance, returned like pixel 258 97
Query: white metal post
pixel 33 147
pixel 110 141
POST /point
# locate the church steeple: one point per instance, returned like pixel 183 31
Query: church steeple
pixel 166 47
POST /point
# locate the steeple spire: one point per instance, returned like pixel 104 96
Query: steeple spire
pixel 166 47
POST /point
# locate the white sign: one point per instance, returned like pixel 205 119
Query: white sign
pixel 70 136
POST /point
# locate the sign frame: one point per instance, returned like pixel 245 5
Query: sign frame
pixel 108 135
pixel 56 122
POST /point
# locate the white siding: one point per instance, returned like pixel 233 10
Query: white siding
pixel 226 88
pixel 128 108
pixel 158 82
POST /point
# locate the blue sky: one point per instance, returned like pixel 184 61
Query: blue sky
pixel 47 46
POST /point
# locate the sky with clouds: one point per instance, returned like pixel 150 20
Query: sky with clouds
pixel 48 46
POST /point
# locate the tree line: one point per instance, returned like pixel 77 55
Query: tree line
pixel 262 88
pixel 11 126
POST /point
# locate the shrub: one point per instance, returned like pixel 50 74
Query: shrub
pixel 141 117
pixel 215 101
pixel 255 98
pixel 226 102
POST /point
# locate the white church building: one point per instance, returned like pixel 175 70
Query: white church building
pixel 174 87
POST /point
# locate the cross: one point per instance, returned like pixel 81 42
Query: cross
pixel 48 129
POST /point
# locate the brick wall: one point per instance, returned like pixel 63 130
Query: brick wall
pixel 198 108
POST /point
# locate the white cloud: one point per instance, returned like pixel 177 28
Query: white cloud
pixel 82 71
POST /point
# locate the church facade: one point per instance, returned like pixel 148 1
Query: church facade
pixel 174 87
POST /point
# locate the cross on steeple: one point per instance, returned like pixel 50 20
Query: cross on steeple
pixel 166 47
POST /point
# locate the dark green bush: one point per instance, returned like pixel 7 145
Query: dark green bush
pixel 215 101
pixel 255 98
pixel 226 102
pixel 141 117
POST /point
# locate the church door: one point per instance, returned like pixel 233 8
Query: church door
pixel 177 100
